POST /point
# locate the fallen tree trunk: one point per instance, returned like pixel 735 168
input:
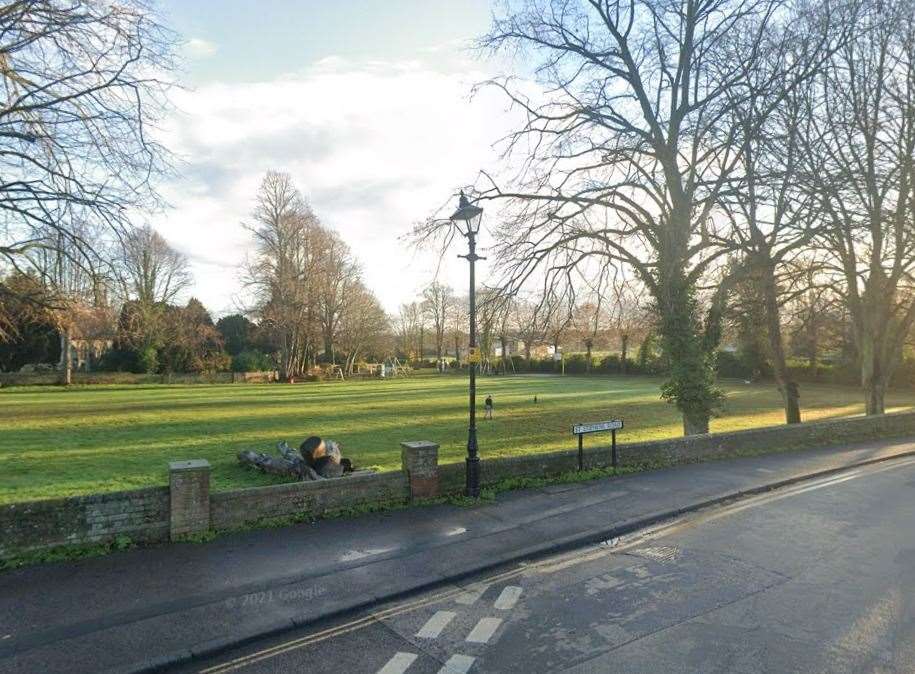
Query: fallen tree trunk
pixel 292 463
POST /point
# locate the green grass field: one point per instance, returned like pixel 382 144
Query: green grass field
pixel 63 442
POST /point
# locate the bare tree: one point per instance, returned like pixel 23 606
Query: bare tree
pixel 362 325
pixel 503 312
pixel 285 232
pixel 529 320
pixel 627 157
pixel 82 86
pixel 457 320
pixel 589 320
pixel 408 329
pixel 339 276
pixel 629 317
pixel 815 316
pixel 860 163
pixel 591 316
pixel 71 286
pixel 558 304
pixel 151 271
pixel 437 301
pixel 773 220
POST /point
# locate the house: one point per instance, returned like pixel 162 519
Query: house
pixel 92 335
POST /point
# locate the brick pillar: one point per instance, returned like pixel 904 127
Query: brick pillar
pixel 419 459
pixel 189 485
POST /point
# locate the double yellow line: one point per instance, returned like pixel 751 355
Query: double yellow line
pixel 352 626
pixel 553 564
pixel 548 565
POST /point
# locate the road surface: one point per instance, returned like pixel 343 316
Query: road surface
pixel 818 577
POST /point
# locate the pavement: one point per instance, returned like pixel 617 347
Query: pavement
pixel 157 607
pixel 814 577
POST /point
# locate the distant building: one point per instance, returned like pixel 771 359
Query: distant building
pixel 91 337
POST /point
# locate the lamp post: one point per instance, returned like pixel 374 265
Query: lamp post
pixel 467 219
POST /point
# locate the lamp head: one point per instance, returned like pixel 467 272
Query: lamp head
pixel 467 217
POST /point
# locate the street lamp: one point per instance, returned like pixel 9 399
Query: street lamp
pixel 467 219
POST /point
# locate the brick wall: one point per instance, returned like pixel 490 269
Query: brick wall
pixel 141 514
pixel 241 507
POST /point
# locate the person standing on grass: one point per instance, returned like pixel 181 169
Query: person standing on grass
pixel 487 406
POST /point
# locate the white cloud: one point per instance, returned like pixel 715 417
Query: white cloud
pixel 374 146
pixel 198 48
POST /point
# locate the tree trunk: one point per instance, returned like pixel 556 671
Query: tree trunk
pixel 66 358
pixel 457 350
pixel 588 361
pixel 874 402
pixel 695 425
pixel 691 384
pixel 872 381
pixel 624 355
pixel 786 387
pixel 505 355
pixel 873 326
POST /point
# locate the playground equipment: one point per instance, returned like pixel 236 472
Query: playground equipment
pixel 508 363
pixel 392 367
pixel 335 372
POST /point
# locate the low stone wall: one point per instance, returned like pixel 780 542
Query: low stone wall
pixel 813 434
pixel 159 513
pixel 244 507
pixel 142 515
pixel 688 449
pixel 188 507
pixel 126 378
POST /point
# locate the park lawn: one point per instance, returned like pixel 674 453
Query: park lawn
pixel 64 442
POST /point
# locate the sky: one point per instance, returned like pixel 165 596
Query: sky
pixel 366 103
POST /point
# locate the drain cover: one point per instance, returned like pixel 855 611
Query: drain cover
pixel 663 553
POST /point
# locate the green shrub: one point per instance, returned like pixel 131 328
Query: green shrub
pixel 252 360
pixel 610 364
pixel 730 365
pixel 147 361
pixel 577 363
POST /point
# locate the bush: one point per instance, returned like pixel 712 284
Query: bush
pixel 731 366
pixel 832 373
pixel 611 364
pixel 38 368
pixel 147 361
pixel 218 361
pixel 577 363
pixel 252 360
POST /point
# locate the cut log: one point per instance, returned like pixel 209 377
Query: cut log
pixel 274 465
pixel 315 460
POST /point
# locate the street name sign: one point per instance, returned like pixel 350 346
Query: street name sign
pixel 612 425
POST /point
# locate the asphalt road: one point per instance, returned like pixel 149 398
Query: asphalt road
pixel 818 577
